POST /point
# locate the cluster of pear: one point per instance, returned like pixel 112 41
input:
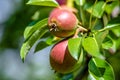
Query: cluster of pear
pixel 62 23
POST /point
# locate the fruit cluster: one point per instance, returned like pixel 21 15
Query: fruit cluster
pixel 62 23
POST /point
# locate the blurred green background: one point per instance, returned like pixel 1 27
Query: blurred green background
pixel 15 15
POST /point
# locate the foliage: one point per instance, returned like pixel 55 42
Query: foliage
pixel 98 44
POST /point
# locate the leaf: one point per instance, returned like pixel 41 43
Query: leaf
pixel 74 47
pixel 44 12
pixel 112 24
pixel 97 9
pixel 99 69
pixel 116 31
pixel 80 2
pixel 67 77
pixel 115 45
pixel 30 42
pixel 91 46
pixel 47 42
pixel 117 42
pixel 32 28
pixel 110 7
pixel 114 60
pixel 80 59
pixel 51 3
pixel 99 24
pixel 41 45
pixel 107 43
pixel 100 36
pixel 50 40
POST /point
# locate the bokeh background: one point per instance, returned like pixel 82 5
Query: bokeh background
pixel 14 17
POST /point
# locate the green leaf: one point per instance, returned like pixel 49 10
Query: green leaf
pixel 32 28
pixel 110 7
pixel 107 43
pixel 116 31
pixel 114 60
pixel 44 12
pixel 32 39
pixel 99 69
pixel 74 47
pixel 80 2
pixel 97 9
pixel 91 46
pixel 100 36
pixel 112 24
pixel 94 69
pixel 41 45
pixel 67 77
pixel 80 59
pixel 47 42
pixel 115 45
pixel 98 24
pixel 50 40
pixel 51 3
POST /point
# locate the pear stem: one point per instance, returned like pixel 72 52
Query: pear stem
pixel 80 29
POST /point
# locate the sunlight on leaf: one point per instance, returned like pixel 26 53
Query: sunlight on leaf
pixel 99 69
pixel 112 24
pixel 32 28
pixel 74 47
pixel 51 3
pixel 32 39
pixel 91 46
